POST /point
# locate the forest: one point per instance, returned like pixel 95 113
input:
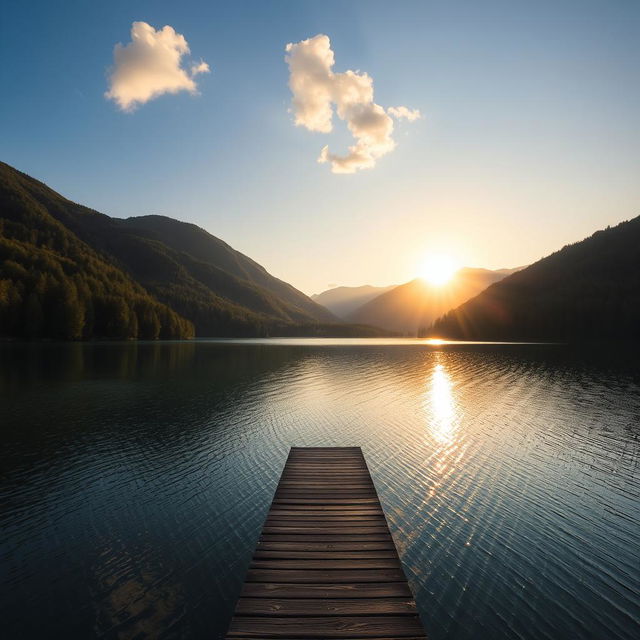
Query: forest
pixel 54 286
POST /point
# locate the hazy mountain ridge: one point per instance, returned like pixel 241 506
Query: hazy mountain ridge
pixel 342 301
pixel 589 289
pixel 412 307
pixel 195 281
pixel 188 238
pixel 191 285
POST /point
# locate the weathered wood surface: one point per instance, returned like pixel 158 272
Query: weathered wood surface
pixel 325 565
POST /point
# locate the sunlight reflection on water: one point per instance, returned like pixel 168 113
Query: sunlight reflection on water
pixel 441 406
pixel 442 416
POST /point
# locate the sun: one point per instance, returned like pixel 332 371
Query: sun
pixel 438 269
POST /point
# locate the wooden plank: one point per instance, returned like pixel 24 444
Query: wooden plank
pixel 327 502
pixel 302 460
pixel 347 463
pixel 329 497
pixel 240 637
pixel 335 465
pixel 329 554
pixel 320 491
pixel 325 627
pixel 325 546
pixel 329 493
pixel 328 507
pixel 325 516
pixel 326 478
pixel 318 576
pixel 351 496
pixel 327 465
pixel 313 455
pixel 325 565
pixel 322 511
pixel 323 591
pixel 325 606
pixel 320 484
pixel 310 458
pixel 329 521
pixel 333 531
pixel 336 451
pixel 326 470
pixel 370 519
pixel 326 473
pixel 361 537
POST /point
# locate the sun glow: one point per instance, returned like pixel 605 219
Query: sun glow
pixel 438 269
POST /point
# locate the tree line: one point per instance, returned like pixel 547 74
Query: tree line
pixel 44 294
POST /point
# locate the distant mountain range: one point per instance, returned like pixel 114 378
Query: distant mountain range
pixel 342 301
pixel 69 272
pixel 590 289
pixel 410 308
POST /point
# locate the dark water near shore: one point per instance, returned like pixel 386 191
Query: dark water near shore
pixel 135 479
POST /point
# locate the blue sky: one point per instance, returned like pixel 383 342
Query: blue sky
pixel 529 139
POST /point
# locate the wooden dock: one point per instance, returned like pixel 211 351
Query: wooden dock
pixel 325 565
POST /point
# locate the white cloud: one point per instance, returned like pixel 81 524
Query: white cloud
pixel 201 67
pixel 403 112
pixel 149 66
pixel 316 88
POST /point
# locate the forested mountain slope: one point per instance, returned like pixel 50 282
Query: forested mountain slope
pixel 190 239
pixel 590 289
pixel 53 285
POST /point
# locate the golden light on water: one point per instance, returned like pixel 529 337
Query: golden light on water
pixel 442 418
pixel 442 405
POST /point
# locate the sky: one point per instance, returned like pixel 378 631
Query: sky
pixel 520 131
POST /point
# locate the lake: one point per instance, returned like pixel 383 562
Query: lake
pixel 136 478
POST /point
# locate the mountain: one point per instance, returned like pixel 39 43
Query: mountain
pixel 222 291
pixel 141 277
pixel 53 285
pixel 412 307
pixel 586 290
pixel 342 301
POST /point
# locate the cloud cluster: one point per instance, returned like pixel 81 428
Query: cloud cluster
pixel 316 88
pixel 149 66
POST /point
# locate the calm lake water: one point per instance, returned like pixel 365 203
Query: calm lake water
pixel 136 478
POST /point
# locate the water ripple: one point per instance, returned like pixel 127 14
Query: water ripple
pixel 137 477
